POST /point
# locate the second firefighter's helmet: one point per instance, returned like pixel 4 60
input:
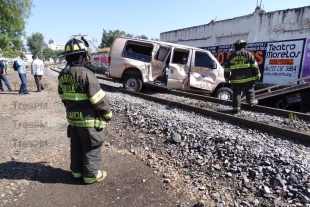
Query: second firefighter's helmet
pixel 74 46
pixel 240 44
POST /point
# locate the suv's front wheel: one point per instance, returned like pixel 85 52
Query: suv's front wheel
pixel 132 83
pixel 224 94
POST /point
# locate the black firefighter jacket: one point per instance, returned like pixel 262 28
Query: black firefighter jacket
pixel 241 67
pixel 86 103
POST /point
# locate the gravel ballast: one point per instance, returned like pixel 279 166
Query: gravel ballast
pixel 291 122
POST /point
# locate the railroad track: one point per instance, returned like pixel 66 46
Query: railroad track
pixel 295 135
pixel 256 108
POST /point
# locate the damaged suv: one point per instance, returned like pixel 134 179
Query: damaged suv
pixel 138 62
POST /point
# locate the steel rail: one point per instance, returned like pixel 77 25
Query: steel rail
pixel 257 108
pixel 218 115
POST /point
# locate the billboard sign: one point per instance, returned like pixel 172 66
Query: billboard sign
pixel 278 61
pixel 306 64
pixel 283 61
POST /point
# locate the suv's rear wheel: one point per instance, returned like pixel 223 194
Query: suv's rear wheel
pixel 224 94
pixel 132 83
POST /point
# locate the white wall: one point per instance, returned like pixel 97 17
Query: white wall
pixel 55 47
pixel 257 27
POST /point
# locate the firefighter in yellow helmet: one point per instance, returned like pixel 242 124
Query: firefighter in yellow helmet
pixel 241 70
pixel 88 110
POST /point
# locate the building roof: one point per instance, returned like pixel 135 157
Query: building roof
pixel 257 10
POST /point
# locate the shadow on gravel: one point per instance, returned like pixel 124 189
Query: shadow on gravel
pixel 36 172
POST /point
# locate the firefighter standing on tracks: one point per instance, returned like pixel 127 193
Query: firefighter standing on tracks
pixel 87 109
pixel 241 70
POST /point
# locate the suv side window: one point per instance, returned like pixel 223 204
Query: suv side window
pixel 162 53
pixel 180 56
pixel 203 60
pixel 138 51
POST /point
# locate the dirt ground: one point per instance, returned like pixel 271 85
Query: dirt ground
pixel 34 159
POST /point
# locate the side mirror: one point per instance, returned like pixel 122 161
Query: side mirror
pixel 213 65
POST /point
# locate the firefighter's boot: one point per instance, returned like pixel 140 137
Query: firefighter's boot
pixel 236 110
pixel 255 102
pixel 76 174
pixel 100 176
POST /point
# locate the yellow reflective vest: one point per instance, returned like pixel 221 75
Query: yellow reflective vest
pixel 241 67
pixel 86 103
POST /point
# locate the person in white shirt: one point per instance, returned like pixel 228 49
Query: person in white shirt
pixel 37 68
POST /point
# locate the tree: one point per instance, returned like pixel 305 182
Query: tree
pixel 13 14
pixel 10 53
pixel 108 37
pixel 142 37
pixel 129 35
pixel 36 43
pixel 5 41
pixel 48 53
pixel 17 43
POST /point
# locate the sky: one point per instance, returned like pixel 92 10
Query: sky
pixel 60 19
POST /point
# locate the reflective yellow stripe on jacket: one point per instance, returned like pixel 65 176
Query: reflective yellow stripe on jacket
pixel 89 123
pixel 245 79
pixel 239 66
pixel 254 65
pixel 83 97
pixel 74 96
pixel 97 97
pixel 108 116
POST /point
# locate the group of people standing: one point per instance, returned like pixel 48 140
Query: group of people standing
pixel 37 70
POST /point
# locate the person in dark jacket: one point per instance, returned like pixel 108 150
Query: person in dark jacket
pixel 3 78
pixel 241 70
pixel 88 111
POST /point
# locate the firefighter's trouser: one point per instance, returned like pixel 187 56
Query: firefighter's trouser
pixel 237 89
pixel 85 150
pixel 305 101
